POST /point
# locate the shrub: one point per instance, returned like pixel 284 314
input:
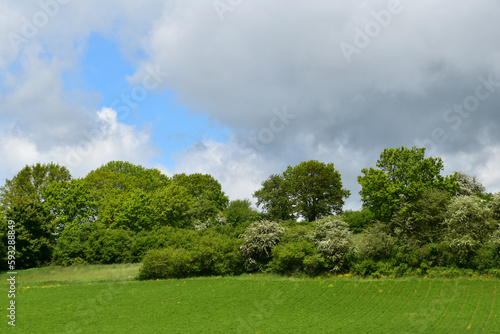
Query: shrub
pixel 71 248
pixel 487 257
pixel 162 238
pixel 468 225
pixel 296 257
pixel 358 221
pixel 108 246
pixel 333 239
pixel 259 240
pixel 494 205
pixel 377 243
pixel 167 263
pixel 215 254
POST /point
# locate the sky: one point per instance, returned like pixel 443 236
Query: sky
pixel 242 89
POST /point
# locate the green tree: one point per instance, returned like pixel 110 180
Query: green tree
pixel 32 181
pixel 34 235
pixel 135 213
pixel 240 211
pixel 71 203
pixel 469 185
pixel 402 176
pixel 469 224
pixel 209 199
pixel 274 198
pixel 170 206
pixel 311 189
pixel 110 185
pixel 424 223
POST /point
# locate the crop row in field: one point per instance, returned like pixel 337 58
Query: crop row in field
pixel 261 304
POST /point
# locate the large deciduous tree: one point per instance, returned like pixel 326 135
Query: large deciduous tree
pixel 402 176
pixel 311 189
pixel 32 181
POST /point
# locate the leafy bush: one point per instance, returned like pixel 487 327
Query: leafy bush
pixel 468 225
pixel 211 254
pixel 239 212
pixel 424 222
pixel 167 263
pixel 333 239
pixel 359 221
pixel 162 238
pixel 216 254
pixel 108 246
pixel 259 240
pixel 296 257
pixel 377 243
pixel 71 248
pixel 494 205
pixel 487 257
pixel 469 185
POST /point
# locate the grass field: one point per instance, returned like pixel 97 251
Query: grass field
pixel 106 299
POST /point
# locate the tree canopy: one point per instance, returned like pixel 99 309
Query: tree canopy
pixel 311 190
pixel 402 176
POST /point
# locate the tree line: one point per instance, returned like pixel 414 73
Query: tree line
pixel 413 220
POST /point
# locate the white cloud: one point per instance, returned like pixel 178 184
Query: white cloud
pixel 108 140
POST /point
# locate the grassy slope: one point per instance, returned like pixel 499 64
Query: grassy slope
pixel 252 304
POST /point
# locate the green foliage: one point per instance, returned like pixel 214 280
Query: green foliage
pixel 298 256
pixel 111 185
pixel 204 188
pixel 135 213
pixel 315 189
pixel 333 239
pixel 487 257
pixel 108 246
pixel 259 240
pixel 169 262
pixel 240 212
pixel 274 198
pixel 469 185
pixel 358 221
pixel 170 206
pixel 164 237
pixel 377 243
pixel 311 189
pixel 424 223
pixel 494 206
pixel 402 176
pixel 211 254
pixel 216 254
pixel 33 233
pixel 468 226
pixel 32 181
pixel 71 246
pixel 71 203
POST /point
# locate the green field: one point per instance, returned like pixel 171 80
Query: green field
pixel 106 299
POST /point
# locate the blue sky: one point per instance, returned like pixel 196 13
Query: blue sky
pixel 245 90
pixel 173 127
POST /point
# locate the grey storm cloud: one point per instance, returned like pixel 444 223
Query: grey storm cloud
pixel 357 76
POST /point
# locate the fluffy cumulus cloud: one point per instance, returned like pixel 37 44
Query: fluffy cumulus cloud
pixel 106 140
pixel 354 78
